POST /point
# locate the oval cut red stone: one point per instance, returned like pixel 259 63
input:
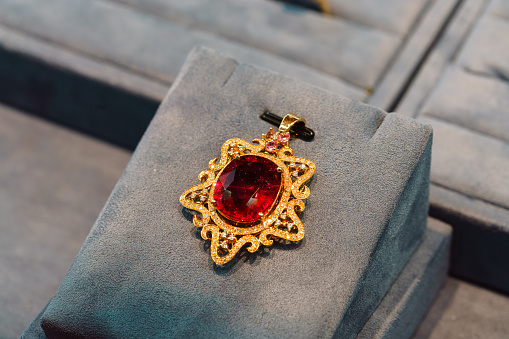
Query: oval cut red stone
pixel 246 187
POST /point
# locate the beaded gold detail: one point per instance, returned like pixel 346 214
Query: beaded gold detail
pixel 277 219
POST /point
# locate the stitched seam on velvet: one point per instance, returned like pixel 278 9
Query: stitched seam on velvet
pixel 230 76
pixel 498 76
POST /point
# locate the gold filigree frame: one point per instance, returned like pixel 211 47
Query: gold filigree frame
pixel 280 222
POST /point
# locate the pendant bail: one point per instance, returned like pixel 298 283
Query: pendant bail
pixel 290 123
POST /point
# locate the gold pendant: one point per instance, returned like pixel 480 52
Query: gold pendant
pixel 252 194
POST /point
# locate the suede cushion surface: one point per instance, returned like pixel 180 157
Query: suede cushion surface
pixel 396 16
pixel 145 271
pixel 413 292
pixel 406 302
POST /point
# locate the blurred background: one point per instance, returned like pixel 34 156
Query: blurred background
pixel 80 81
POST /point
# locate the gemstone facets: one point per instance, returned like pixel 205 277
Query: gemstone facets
pixel 283 137
pixel 252 196
pixel 247 188
pixel 270 146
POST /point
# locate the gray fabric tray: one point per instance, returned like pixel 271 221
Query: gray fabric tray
pixel 53 184
pixel 395 16
pixel 148 45
pixel 464 96
pixel 144 270
pixel 372 45
pixel 110 62
pixel 356 54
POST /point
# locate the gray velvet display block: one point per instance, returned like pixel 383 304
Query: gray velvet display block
pixel 463 92
pixel 111 62
pixel 406 302
pixel 144 270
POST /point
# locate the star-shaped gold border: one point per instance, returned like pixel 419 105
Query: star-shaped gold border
pixel 281 221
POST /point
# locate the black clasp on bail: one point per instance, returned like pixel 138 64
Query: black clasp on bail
pixel 298 129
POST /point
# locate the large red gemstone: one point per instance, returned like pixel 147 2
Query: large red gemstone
pixel 246 187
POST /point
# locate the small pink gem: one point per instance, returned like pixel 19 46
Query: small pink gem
pixel 283 137
pixel 270 135
pixel 270 146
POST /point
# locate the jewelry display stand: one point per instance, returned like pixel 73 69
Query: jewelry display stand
pixel 367 266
